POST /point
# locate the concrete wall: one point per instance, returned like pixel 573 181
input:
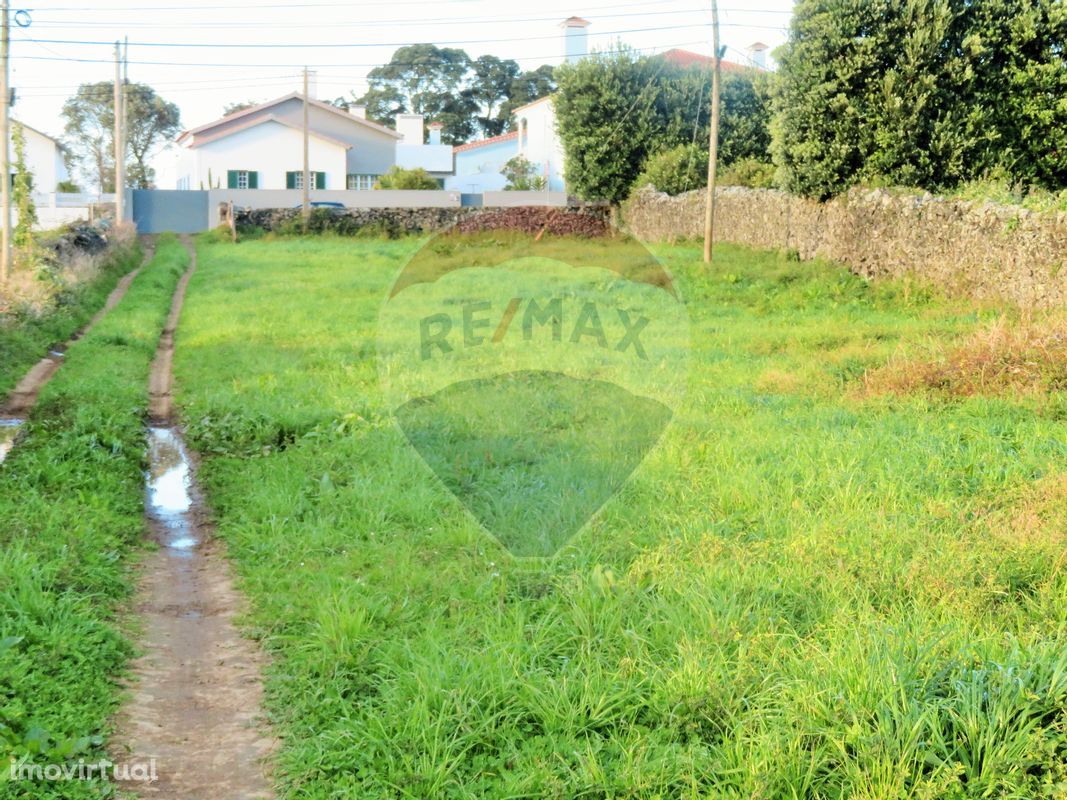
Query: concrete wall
pixel 976 249
pixel 513 199
pixel 289 198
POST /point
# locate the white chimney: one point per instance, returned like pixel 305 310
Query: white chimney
pixel 757 54
pixel 409 126
pixel 357 110
pixel 313 84
pixel 575 39
pixel 435 132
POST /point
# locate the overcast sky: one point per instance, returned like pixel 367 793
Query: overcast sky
pixel 209 54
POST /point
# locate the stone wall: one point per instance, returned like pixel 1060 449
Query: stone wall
pixel 576 220
pixel 972 248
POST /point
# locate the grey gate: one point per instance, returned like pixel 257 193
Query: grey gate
pixel 180 211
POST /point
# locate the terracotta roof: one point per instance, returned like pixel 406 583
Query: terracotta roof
pixel 687 58
pixel 260 121
pixel 504 137
pixel 576 22
pixel 244 112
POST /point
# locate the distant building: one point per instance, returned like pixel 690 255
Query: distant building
pixel 262 147
pixel 44 159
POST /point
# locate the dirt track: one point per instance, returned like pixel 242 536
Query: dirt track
pixel 196 691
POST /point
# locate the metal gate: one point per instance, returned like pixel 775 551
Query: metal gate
pixel 180 211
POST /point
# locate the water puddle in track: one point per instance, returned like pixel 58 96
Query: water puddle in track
pixel 9 429
pixel 169 483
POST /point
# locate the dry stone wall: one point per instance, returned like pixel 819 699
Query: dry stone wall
pixel 979 249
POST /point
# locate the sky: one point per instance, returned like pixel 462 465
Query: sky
pixel 203 56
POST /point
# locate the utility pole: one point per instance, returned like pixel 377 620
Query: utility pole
pixel 713 137
pixel 307 169
pixel 120 146
pixel 5 125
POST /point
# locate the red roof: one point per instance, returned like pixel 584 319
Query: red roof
pixel 504 137
pixel 687 58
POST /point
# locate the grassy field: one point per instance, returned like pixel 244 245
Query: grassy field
pixel 810 589
pixel 71 523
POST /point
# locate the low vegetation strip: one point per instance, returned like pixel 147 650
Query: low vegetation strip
pixel 71 521
pixel 26 335
pixel 804 592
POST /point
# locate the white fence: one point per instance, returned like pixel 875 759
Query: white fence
pixel 59 208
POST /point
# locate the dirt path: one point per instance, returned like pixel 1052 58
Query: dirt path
pixel 24 396
pixel 196 691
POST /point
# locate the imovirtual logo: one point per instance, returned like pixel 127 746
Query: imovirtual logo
pixel 533 376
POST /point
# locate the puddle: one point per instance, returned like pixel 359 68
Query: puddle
pixel 9 429
pixel 169 480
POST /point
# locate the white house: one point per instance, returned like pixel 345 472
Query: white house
pixel 44 159
pixel 262 148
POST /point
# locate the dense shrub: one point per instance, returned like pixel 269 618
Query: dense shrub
pixel 521 175
pixel 616 110
pixel 676 170
pixel 928 93
pixel 748 172
pixel 400 178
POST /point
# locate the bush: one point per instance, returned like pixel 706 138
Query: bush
pixel 749 172
pixel 521 176
pixel 676 170
pixel 399 178
pixel 68 187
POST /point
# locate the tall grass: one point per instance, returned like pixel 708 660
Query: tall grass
pixel 804 592
pixel 71 522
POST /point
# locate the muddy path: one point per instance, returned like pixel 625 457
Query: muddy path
pixel 196 690
pixel 24 396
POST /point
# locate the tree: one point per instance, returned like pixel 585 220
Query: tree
pixel 521 176
pixel 428 80
pixel 491 88
pixel 527 87
pixel 616 111
pixel 926 93
pixel 233 108
pixel 21 189
pixel 90 127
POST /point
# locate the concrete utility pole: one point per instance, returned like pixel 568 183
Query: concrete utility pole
pixel 120 145
pixel 307 169
pixel 713 137
pixel 5 134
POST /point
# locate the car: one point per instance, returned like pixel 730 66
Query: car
pixel 322 204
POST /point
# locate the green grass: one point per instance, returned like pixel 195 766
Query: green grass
pixel 25 339
pixel 71 522
pixel 802 592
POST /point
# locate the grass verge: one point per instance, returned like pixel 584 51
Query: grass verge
pixel 25 339
pixel 71 519
pixel 801 593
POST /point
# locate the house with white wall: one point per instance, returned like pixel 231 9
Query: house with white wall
pixel 44 159
pixel 262 147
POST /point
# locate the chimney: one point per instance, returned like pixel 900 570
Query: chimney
pixel 575 39
pixel 757 54
pixel 409 126
pixel 435 132
pixel 357 110
pixel 313 84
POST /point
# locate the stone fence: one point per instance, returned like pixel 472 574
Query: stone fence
pixel 979 249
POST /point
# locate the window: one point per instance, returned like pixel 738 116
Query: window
pixel 361 182
pixel 295 180
pixel 242 179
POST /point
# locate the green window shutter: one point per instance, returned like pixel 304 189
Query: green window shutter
pixel 320 180
pixel 290 180
pixel 231 179
pixel 253 180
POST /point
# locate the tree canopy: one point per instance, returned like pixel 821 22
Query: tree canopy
pixel 90 129
pixel 925 93
pixel 467 96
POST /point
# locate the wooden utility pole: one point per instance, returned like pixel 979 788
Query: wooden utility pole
pixel 307 168
pixel 5 134
pixel 713 137
pixel 120 145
